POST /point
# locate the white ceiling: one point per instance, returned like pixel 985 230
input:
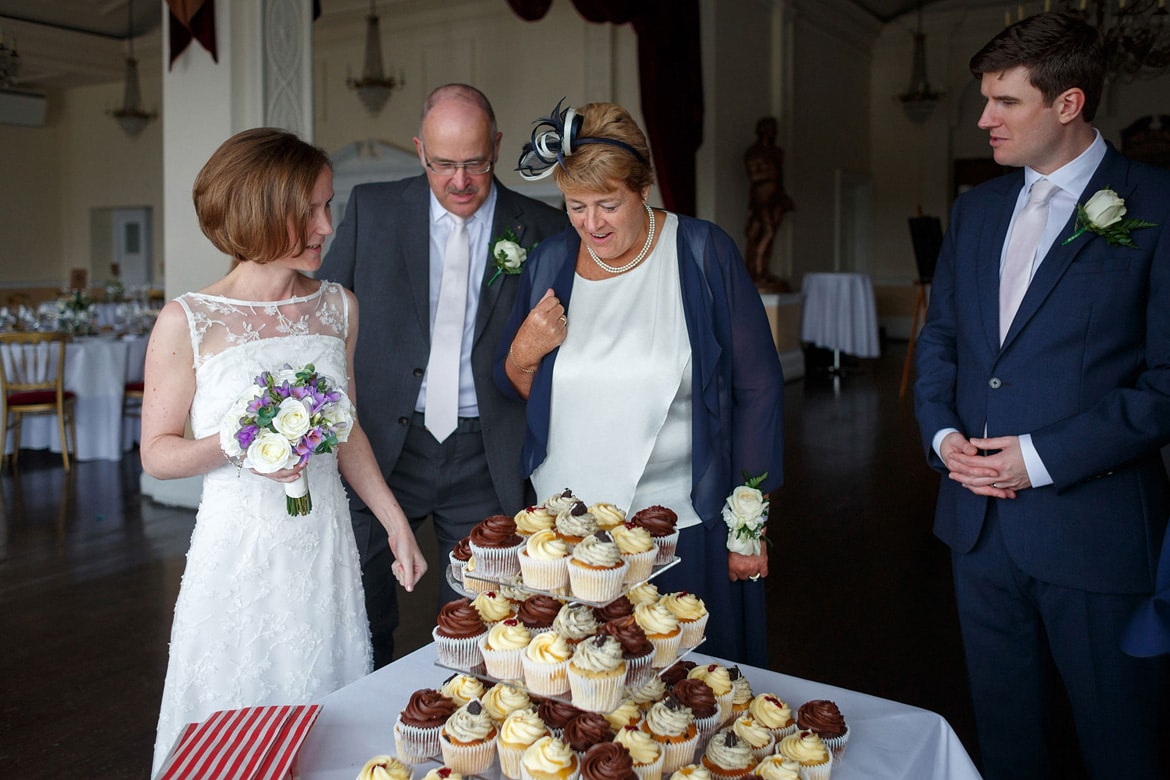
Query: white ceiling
pixel 67 43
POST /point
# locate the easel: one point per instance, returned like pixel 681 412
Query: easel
pixel 926 236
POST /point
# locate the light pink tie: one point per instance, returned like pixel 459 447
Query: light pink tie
pixel 442 405
pixel 1021 252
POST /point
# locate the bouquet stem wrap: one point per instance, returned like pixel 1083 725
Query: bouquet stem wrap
pixel 298 500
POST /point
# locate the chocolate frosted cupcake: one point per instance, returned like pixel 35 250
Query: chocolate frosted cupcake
pixel 607 761
pixel 618 608
pixel 637 650
pixel 575 523
pixel 538 612
pixel 468 739
pixel 697 695
pixel 824 719
pixel 556 714
pixel 727 757
pixel 645 751
pixel 459 557
pixel 585 730
pixel 416 732
pixel 495 544
pixel 456 634
pixel 677 671
pixel 518 731
pixel 660 522
pixel 596 569
pixel 719 679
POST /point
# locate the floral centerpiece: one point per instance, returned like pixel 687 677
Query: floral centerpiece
pixel 281 421
pixel 74 312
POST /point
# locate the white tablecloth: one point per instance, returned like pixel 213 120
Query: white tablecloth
pixel 887 739
pixel 97 369
pixel 840 314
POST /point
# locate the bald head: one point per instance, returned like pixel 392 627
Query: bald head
pixel 458 127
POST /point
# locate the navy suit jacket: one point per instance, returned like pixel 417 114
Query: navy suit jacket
pixel 737 413
pixel 381 251
pixel 1085 369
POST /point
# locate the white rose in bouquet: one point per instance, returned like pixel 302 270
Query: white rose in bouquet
pixel 292 420
pixel 340 415
pixel 270 452
pixel 230 425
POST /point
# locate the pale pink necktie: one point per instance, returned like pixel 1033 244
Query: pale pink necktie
pixel 442 405
pixel 1021 252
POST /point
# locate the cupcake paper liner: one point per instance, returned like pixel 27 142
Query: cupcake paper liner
pixel 640 566
pixel 597 585
pixel 639 670
pixel 665 650
pixel 692 631
pixel 666 546
pixel 510 756
pixel 468 759
pixel 707 727
pixel 600 694
pixel 542 574
pixel 496 563
pixel 651 771
pixel 459 653
pixel 545 679
pixel 502 664
pixel 574 775
pixel 416 745
pixel 676 755
pixel 836 745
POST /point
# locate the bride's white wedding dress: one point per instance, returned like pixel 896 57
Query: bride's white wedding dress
pixel 271 609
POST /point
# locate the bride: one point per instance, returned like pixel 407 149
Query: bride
pixel 270 610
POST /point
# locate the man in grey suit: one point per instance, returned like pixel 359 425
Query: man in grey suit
pixel 393 249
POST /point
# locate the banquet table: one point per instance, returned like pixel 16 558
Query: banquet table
pixel 840 313
pixel 887 739
pixel 97 369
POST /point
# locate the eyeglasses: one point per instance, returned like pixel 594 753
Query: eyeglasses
pixel 448 168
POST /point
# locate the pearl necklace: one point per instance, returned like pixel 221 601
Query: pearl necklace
pixel 617 269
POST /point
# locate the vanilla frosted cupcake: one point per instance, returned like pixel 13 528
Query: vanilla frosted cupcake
pixel 597 674
pixel 560 502
pixel 493 606
pixel 671 726
pixel 638 551
pixel 607 515
pixel 544 562
pixel 758 738
pixel 517 733
pixel 385 768
pixel 628 713
pixel 741 692
pixel 473 578
pixel 468 739
pixel 534 518
pixel 719 679
pixel 646 752
pixel 777 767
pixel 692 616
pixel 727 756
pixel 462 688
pixel 502 700
pixel 662 629
pixel 545 663
pixel 774 714
pixel 807 749
pixel 502 648
pixel 654 690
pixel 575 523
pixel 575 622
pixel 548 758
pixel 596 568
pixel 691 772
pixel 442 773
pixel 646 593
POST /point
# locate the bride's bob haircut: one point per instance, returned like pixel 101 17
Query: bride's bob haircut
pixel 254 196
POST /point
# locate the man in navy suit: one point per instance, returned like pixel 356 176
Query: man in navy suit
pixel 390 250
pixel 1047 421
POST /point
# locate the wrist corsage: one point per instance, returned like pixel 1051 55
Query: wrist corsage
pixel 1102 214
pixel 508 255
pixel 746 513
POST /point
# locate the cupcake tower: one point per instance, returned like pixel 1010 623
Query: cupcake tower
pixel 566 548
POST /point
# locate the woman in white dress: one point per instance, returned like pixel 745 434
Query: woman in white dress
pixel 270 610
pixel 644 354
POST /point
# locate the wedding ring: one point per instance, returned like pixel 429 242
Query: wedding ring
pixel 564 320
pixel 995 485
pixel 754 577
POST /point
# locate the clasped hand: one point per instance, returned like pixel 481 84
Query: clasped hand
pixel 1000 474
pixel 542 331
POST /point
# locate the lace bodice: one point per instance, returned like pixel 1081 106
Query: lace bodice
pixel 234 341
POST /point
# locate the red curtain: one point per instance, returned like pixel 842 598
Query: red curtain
pixel 191 19
pixel 670 78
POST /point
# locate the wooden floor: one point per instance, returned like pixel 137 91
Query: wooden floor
pixel 860 594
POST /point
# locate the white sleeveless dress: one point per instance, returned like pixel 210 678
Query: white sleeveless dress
pixel 271 609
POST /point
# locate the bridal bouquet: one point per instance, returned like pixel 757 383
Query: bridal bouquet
pixel 281 421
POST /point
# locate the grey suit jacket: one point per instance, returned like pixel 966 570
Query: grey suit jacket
pixel 381 251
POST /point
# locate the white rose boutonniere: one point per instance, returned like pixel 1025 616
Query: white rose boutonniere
pixel 1104 214
pixel 508 255
pixel 746 513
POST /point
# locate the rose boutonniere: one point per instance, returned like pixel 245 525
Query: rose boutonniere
pixel 1102 214
pixel 508 255
pixel 745 512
